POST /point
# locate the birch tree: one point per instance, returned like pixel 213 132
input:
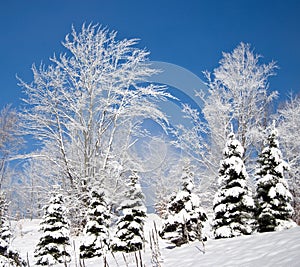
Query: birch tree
pixel 240 85
pixel 87 105
pixel 288 127
pixel 10 141
pixel 237 95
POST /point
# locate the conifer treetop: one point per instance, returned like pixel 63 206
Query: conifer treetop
pixel 233 147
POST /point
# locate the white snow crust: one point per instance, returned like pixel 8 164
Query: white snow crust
pixel 266 249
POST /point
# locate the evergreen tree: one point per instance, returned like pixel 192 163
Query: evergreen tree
pixel 130 233
pixel 96 241
pixel 5 233
pixel 54 244
pixel 273 197
pixel 8 257
pixel 233 202
pixel 185 216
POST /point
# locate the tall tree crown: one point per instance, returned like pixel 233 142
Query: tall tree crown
pixel 87 105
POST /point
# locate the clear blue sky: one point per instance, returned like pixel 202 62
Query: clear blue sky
pixel 191 34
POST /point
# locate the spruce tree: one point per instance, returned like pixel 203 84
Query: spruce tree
pixel 96 240
pixel 273 198
pixel 5 233
pixel 185 218
pixel 233 203
pixel 129 236
pixel 54 244
pixel 8 257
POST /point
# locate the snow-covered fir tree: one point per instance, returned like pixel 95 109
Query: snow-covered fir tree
pixel 54 244
pixel 161 206
pixel 129 236
pixel 5 233
pixel 96 238
pixel 273 198
pixel 233 203
pixel 8 257
pixel 185 218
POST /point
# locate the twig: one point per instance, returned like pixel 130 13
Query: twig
pixel 28 264
pixel 74 247
pixel 125 259
pixel 136 259
pixel 141 260
pixel 115 258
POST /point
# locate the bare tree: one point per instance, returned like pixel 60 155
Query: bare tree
pixel 10 141
pixel 237 97
pixel 288 128
pixel 88 105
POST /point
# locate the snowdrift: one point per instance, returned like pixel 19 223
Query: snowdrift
pixel 266 249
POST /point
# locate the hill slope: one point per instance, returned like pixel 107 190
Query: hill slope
pixel 267 249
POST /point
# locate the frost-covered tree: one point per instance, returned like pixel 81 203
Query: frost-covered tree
pixel 87 106
pixel 289 125
pixel 194 141
pixel 165 179
pixel 238 94
pixel 185 218
pixel 10 141
pixel 5 233
pixel 96 232
pixel 233 203
pixel 10 144
pixel 54 245
pixel 274 210
pixel 33 188
pixel 129 235
pixel 8 256
pixel 240 84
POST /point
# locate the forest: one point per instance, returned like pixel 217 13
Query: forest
pixel 79 154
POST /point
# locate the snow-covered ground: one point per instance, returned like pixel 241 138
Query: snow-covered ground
pixel 267 249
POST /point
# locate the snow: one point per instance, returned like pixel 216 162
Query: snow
pixel 268 249
pixel 233 145
pixel 248 201
pixel 235 163
pixel 195 200
pixel 233 191
pixel 272 192
pixel 281 189
pixel 221 208
pixel 261 249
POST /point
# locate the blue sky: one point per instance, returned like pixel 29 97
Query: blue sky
pixel 191 34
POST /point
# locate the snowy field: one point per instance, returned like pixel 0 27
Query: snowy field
pixel 267 249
